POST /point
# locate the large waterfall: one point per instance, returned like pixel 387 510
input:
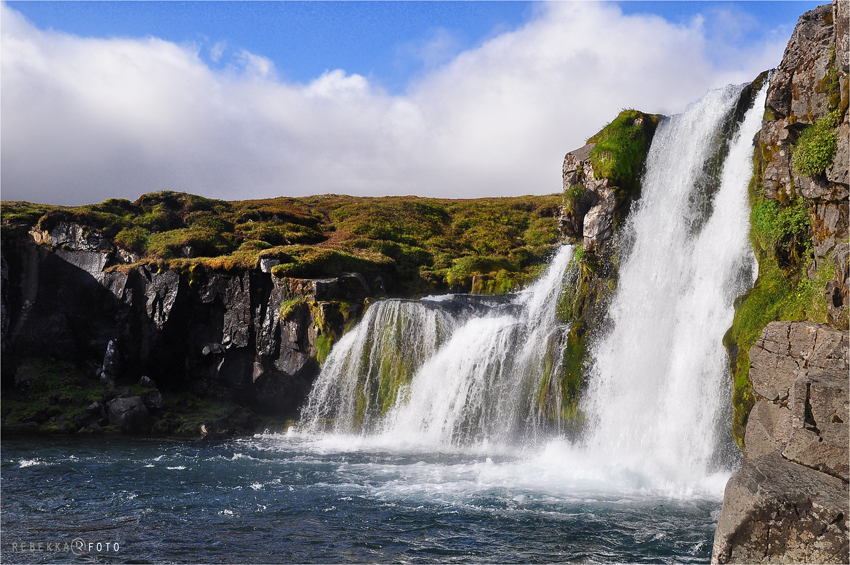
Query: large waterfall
pixel 657 388
pixel 462 371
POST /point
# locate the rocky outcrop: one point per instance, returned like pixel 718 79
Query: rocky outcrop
pixel 810 83
pixel 593 201
pixel 790 502
pixel 776 511
pixel 216 334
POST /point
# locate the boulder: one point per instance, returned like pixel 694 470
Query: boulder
pixel 153 400
pixel 129 414
pixel 776 511
pixel 92 415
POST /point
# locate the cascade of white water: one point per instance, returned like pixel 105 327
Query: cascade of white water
pixel 446 379
pixel 486 382
pixel 656 389
pixel 365 371
pixel 415 372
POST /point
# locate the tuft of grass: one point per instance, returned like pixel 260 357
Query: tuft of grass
pixel 287 307
pixel 816 147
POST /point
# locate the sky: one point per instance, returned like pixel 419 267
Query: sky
pixel 239 100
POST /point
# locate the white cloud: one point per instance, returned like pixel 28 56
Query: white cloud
pixel 87 119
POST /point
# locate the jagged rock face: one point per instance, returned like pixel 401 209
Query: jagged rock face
pixel 217 334
pixel 798 97
pixel 793 89
pixel 790 501
pixel 591 216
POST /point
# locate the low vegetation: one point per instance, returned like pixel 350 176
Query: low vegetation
pixel 816 146
pixel 423 244
pixel 621 149
pixel 781 236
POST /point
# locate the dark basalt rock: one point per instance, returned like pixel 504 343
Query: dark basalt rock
pixel 129 414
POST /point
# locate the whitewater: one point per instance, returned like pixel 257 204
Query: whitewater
pixel 656 406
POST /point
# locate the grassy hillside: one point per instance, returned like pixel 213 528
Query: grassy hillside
pixel 422 244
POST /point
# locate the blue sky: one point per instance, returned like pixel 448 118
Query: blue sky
pixel 245 99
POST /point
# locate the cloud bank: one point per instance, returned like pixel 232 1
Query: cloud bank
pixel 88 119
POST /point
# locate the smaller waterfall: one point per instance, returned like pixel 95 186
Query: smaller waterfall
pixel 371 365
pixel 411 370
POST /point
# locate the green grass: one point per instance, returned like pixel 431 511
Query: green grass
pixel 423 244
pixel 621 148
pixel 816 147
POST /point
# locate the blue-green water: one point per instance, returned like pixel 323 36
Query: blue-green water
pixel 277 499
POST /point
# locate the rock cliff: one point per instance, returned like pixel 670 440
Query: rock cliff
pixel 229 307
pixel 790 501
pixel 244 337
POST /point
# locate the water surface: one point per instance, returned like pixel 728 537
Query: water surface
pixel 290 499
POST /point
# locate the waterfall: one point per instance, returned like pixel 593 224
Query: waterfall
pixel 656 390
pixel 459 371
pixel 418 370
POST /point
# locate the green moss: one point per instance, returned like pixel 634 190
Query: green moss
pixel 621 149
pixel 816 147
pixel 287 307
pixel 572 196
pixel 323 344
pixel 133 239
pixel 414 241
pixel 781 236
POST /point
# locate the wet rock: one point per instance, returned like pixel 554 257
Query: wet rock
pixel 129 414
pixel 111 363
